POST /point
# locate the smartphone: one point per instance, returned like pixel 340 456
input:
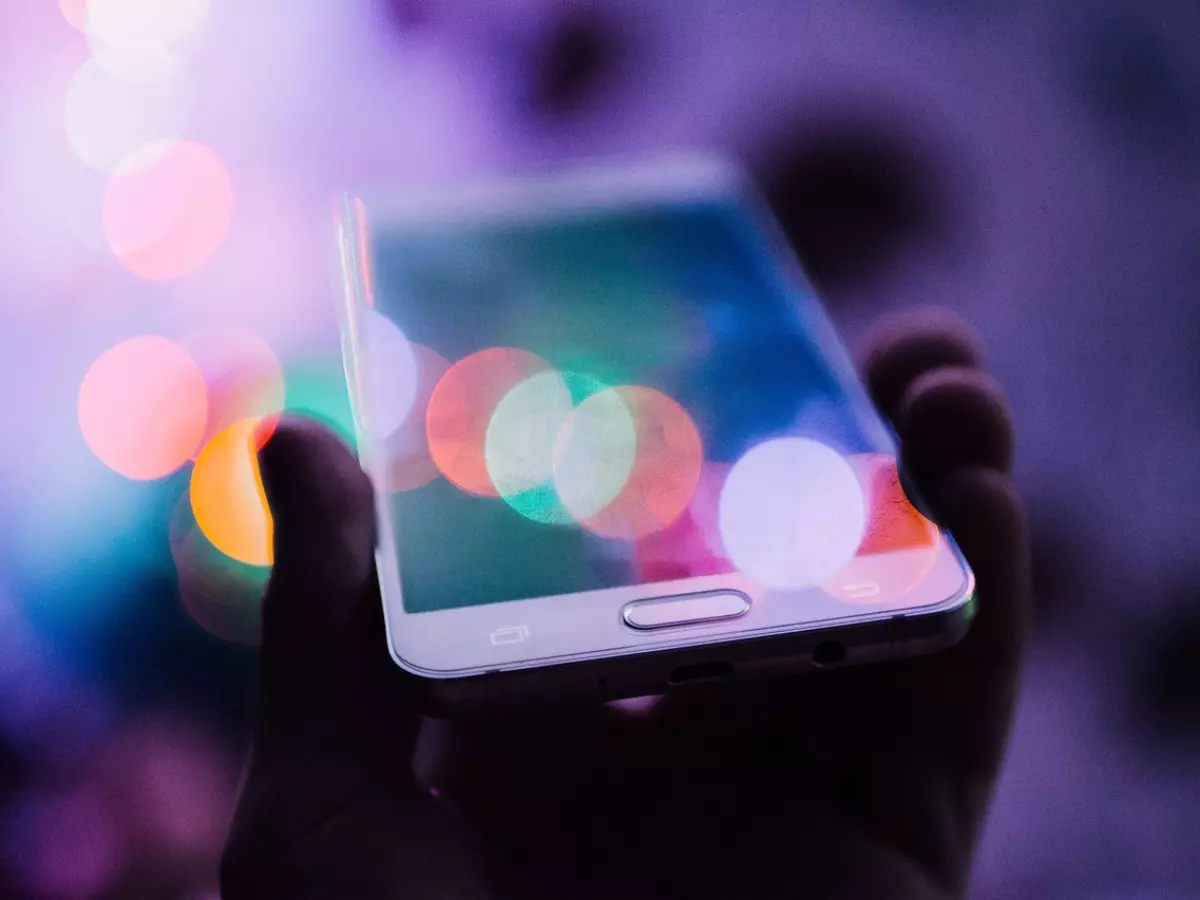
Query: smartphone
pixel 617 446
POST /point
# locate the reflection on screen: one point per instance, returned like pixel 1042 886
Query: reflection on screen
pixel 630 397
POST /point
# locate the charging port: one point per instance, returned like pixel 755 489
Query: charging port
pixel 701 672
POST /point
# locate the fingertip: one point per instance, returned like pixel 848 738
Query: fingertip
pixel 321 502
pixel 297 447
pixel 955 418
pixel 908 345
pixel 303 464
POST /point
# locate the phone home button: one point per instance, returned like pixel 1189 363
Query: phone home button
pixel 687 609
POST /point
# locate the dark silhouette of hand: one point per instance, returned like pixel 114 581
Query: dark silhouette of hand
pixel 864 782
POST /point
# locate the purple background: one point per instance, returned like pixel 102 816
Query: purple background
pixel 1034 166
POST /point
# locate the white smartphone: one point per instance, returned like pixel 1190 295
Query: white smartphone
pixel 617 446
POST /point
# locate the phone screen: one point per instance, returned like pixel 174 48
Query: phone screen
pixel 563 404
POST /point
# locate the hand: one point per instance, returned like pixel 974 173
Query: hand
pixel 865 782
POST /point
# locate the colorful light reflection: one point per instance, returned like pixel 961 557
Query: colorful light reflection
pixel 407 464
pixel 144 40
pixel 679 551
pixel 895 523
pixel 461 408
pixel 227 495
pixel 143 407
pixel 391 374
pixel 792 513
pixel 316 388
pixel 167 209
pixel 665 471
pixel 594 454
pixel 692 546
pixel 244 378
pixel 705 508
pixel 107 119
pixel 519 445
pixel 900 546
pixel 75 12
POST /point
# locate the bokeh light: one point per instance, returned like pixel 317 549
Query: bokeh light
pixel 73 842
pixel 223 596
pixel 665 471
pixel 679 551
pixel 390 374
pixel 692 546
pixel 792 513
pixel 900 546
pixel 461 409
pixel 143 407
pixel 167 209
pixel 227 495
pixel 406 463
pixel 51 201
pixel 316 389
pixel 519 445
pixel 525 442
pixel 244 378
pixel 705 508
pixel 894 524
pixel 175 782
pixel 144 40
pixel 594 454
pixel 107 119
pixel 75 12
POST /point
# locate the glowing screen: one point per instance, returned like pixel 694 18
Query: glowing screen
pixel 570 404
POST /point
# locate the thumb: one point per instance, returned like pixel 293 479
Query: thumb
pixel 329 806
pixel 325 674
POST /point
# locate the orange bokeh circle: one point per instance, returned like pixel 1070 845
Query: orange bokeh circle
pixel 167 209
pixel 894 523
pixel 900 545
pixel 461 408
pixel 227 495
pixel 665 472
pixel 143 406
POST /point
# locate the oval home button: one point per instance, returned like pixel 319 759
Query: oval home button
pixel 689 609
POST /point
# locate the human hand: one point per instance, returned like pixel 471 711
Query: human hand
pixel 864 782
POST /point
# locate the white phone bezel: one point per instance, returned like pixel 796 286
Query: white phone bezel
pixel 547 631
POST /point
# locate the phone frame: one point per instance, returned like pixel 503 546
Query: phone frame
pixel 660 660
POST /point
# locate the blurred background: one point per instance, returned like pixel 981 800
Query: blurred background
pixel 167 279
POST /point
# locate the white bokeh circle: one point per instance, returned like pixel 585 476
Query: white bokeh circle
pixel 792 513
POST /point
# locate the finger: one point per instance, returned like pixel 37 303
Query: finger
pixel 952 709
pixel 949 714
pixel 957 702
pixel 904 348
pixel 324 667
pixel 539 781
pixel 949 417
pixel 954 418
pixel 329 805
pixel 983 514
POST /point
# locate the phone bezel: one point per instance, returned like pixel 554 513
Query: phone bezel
pixel 426 644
